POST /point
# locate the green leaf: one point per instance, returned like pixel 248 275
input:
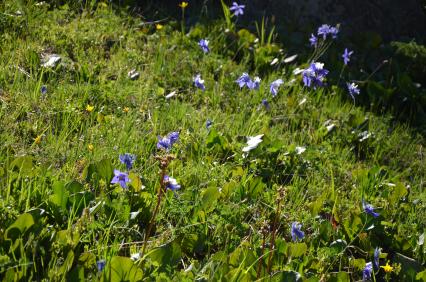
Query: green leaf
pixel 60 195
pixel 87 260
pixel 340 277
pixel 297 249
pixel 209 199
pixel 24 165
pixel 122 269
pixel 23 223
pixel 104 169
pixel 135 182
pixel 168 254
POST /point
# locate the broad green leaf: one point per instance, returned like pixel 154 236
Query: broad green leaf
pixel 168 254
pixel 20 226
pixel 60 195
pixel 104 169
pixel 297 249
pixel 122 269
pixel 209 199
pixel 87 260
pixel 135 182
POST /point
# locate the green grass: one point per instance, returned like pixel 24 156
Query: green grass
pixel 59 214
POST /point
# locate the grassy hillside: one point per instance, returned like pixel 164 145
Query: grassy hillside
pixel 64 125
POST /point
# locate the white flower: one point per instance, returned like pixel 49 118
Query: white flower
pixel 253 142
pixel 300 150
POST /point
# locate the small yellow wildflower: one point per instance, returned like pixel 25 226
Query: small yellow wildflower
pixel 37 140
pixel 183 4
pixel 90 147
pixel 387 268
pixel 126 109
pixel 158 26
pixel 89 108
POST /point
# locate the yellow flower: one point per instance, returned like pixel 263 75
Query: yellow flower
pixel 90 108
pixel 90 147
pixel 158 26
pixel 37 140
pixel 387 268
pixel 183 5
pixel 126 109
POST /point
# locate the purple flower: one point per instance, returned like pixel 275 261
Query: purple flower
pixel 128 160
pixel 376 257
pixel 296 232
pixel 325 30
pixel 366 273
pixel 353 89
pixel 209 124
pixel 266 104
pixel 101 264
pixel 274 86
pixel 43 90
pixel 198 82
pixel 313 40
pixel 244 80
pixel 204 44
pixel 369 209
pixel 314 75
pixel 237 9
pixel 254 85
pixel 347 56
pixel 120 178
pixel 167 142
pixel 171 183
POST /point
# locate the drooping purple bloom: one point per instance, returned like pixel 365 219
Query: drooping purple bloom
pixel 237 9
pixel 369 209
pixel 314 75
pixel 171 183
pixel 255 84
pixel 121 178
pixel 333 31
pixel 376 257
pixel 266 104
pixel 347 56
pixel 368 270
pixel 101 264
pixel 353 89
pixel 204 44
pixel 209 124
pixel 296 232
pixel 174 137
pixel 244 80
pixel 128 160
pixel 43 90
pixel 313 40
pixel 198 82
pixel 275 85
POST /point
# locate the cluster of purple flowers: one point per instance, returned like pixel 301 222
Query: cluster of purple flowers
pixel 369 209
pixel 204 45
pixel 171 183
pixel 166 142
pixel 314 75
pixel 198 82
pixel 324 31
pixel 296 231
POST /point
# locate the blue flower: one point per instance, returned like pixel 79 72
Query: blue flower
pixel 43 90
pixel 101 264
pixel 209 124
pixel 296 232
pixel 347 56
pixel 120 178
pixel 313 40
pixel 244 80
pixel 266 104
pixel 167 142
pixel 254 85
pixel 369 209
pixel 376 257
pixel 366 273
pixel 204 44
pixel 333 31
pixel 198 82
pixel 353 89
pixel 274 86
pixel 325 30
pixel 237 9
pixel 314 75
pixel 128 160
pixel 171 183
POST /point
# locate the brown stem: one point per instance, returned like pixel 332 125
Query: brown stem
pixel 259 267
pixel 157 207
